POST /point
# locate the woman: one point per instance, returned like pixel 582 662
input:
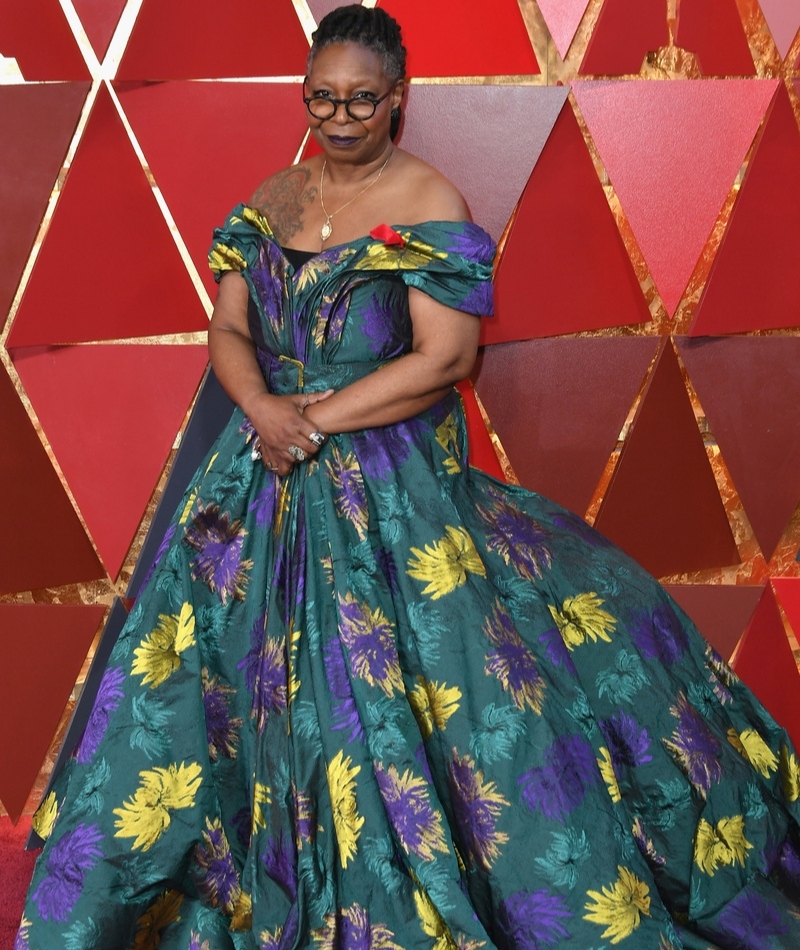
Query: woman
pixel 373 698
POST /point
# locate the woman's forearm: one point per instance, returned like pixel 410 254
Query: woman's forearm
pixel 233 357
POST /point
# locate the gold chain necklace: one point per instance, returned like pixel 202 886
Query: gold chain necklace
pixel 327 229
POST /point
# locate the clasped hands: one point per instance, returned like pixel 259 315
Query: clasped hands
pixel 285 436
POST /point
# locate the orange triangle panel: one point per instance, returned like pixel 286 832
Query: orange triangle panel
pixel 44 118
pixel 563 18
pixel 111 414
pixel 37 35
pixel 766 664
pixel 197 39
pixel 481 450
pixel 558 407
pixel 99 19
pixel 697 134
pixel 625 32
pixel 749 388
pixel 463 38
pixel 783 19
pixel 754 282
pixel 170 121
pixel 713 31
pixel 44 544
pixel 43 648
pixel 564 267
pixel 109 268
pixel 662 506
pixel 490 178
pixel 720 611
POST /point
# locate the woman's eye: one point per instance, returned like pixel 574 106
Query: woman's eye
pixel 363 95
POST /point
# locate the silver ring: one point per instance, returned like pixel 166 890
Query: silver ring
pixel 317 438
pixel 255 452
pixel 296 453
pixel 270 467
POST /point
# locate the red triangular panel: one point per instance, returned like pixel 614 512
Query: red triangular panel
pixel 198 39
pixel 44 544
pixel 44 118
pixel 481 451
pixel 37 35
pixel 749 388
pixel 99 19
pixel 563 17
pixel 111 414
pixel 662 505
pixel 754 282
pixel 558 407
pixel 766 664
pixel 720 611
pixel 783 19
pixel 713 30
pixel 463 38
pixel 170 121
pixel 787 590
pixel 564 267
pixel 109 268
pixel 490 178
pixel 43 648
pixel 697 134
pixel 625 32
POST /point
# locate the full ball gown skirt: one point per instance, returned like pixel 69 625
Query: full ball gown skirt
pixel 389 702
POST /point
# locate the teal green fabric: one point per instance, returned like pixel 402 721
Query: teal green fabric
pixel 390 702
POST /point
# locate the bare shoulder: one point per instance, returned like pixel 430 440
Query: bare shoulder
pixel 284 197
pixel 435 197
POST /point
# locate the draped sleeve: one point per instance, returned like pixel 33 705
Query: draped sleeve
pixel 236 244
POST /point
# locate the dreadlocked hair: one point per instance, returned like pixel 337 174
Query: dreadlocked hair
pixel 370 27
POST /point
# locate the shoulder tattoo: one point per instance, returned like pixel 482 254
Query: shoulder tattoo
pixel 282 198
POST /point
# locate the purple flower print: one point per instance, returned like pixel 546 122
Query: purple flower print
pixel 519 540
pixel 789 861
pixel 750 923
pixel 217 879
pixel 694 746
pixel 659 634
pixel 559 785
pixel 556 650
pixel 280 863
pixel 162 549
pixel 417 824
pixel 218 561
pixel 109 696
pixel 381 451
pixel 221 729
pixel 345 713
pixel 628 743
pixel 534 921
pixel 477 806
pixel 67 864
pixel 265 673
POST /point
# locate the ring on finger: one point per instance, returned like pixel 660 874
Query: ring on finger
pixel 271 467
pixel 296 453
pixel 317 438
pixel 255 452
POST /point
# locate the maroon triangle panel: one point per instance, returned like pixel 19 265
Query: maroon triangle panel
pixel 490 178
pixel 720 611
pixel 44 119
pixel 625 32
pixel 754 283
pixel 463 38
pixel 662 506
pixel 109 268
pixel 713 31
pixel 564 268
pixel 36 33
pixel 99 19
pixel 111 414
pixel 320 8
pixel 198 39
pixel 43 648
pixel 171 121
pixel 558 407
pixel 749 388
pixel 44 543
pixel 766 664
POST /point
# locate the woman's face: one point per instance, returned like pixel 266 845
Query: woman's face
pixel 341 71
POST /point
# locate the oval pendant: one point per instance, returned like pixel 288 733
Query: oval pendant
pixel 326 231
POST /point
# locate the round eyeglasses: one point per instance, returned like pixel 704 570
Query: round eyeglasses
pixel 360 107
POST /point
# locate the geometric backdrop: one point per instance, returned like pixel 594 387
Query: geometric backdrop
pixel 639 163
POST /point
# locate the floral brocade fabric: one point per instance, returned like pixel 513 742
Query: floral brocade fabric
pixel 388 702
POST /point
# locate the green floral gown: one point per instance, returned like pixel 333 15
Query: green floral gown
pixel 388 702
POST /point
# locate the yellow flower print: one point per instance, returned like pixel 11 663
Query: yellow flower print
pixel 262 795
pixel 293 638
pixel 311 273
pixel 790 774
pixel 721 844
pixel 445 563
pixel 432 922
pixel 255 218
pixel 146 815
pixel 221 257
pixel 158 655
pixel 581 618
pixel 609 776
pixel 410 255
pixel 750 745
pixel 433 704
pixel 156 919
pixel 346 820
pixel 447 437
pixel 349 495
pixel 243 913
pixel 45 817
pixel 187 508
pixel 619 906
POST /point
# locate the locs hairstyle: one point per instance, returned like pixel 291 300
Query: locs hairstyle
pixel 372 28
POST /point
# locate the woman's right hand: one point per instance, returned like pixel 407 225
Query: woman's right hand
pixel 279 424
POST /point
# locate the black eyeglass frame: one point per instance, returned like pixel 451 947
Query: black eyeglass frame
pixel 346 103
